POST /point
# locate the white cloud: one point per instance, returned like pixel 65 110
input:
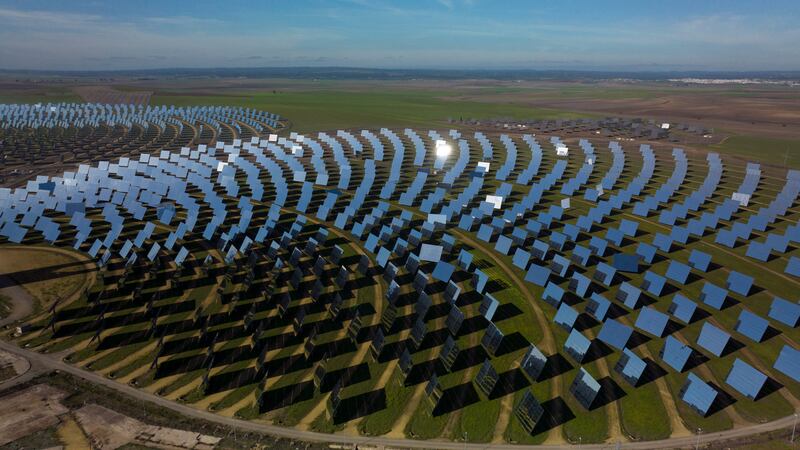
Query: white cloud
pixel 412 38
pixel 48 18
pixel 182 21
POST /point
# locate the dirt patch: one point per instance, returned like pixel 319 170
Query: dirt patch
pixel 109 429
pixel 107 94
pixel 12 366
pixel 29 411
pixel 773 117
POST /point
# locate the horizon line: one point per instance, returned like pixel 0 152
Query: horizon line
pixel 638 70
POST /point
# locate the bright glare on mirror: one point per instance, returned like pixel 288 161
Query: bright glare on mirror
pixel 443 151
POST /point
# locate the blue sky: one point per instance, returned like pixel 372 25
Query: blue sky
pixel 577 34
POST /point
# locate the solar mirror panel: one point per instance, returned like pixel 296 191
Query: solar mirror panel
pixel 652 321
pixel 604 273
pixel 785 312
pixel 412 263
pixel 713 339
pixel 675 353
pixel 464 260
pixel 752 325
pixel 788 362
pixel 528 411
pixel 420 281
pixel 479 280
pixel 433 392
pixel 521 258
pixel 739 283
pixel 488 306
pixel 646 252
pixel 598 306
pixel 598 245
pixel 443 271
pixel 631 367
pixel 538 275
pixel 487 378
pixel 577 345
pixel 533 363
pixel 624 262
pixel 615 334
pixel 653 283
pixel 405 363
pixel 579 284
pixel 746 379
pixel 793 266
pixel 418 333
pixel 629 295
pixel 454 320
pixel 492 339
pixel 585 388
pixel 713 295
pixel 566 316
pixel 698 394
pixel 451 292
pixel 423 304
pixel 682 308
pixel 629 227
pixel 581 255
pixel 678 272
pixel 503 245
pixel 559 265
pixel 449 353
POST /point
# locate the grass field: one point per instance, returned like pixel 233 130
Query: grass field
pixel 763 149
pixel 331 104
pixel 39 95
pixel 33 268
pixel 324 110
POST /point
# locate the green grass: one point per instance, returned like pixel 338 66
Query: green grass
pixel 5 306
pixel 324 110
pixel 380 422
pixel 39 95
pixel 80 355
pixel 323 424
pixel 762 149
pixel 233 397
pixel 425 426
pixel 588 426
pixel 68 343
pixel 131 366
pixel 181 381
pixel 609 93
pixel 41 439
pixel 643 414
pixel 514 433
pixel 478 421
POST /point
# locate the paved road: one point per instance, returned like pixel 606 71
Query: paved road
pixel 42 362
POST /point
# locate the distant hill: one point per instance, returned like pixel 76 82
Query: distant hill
pixel 355 73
